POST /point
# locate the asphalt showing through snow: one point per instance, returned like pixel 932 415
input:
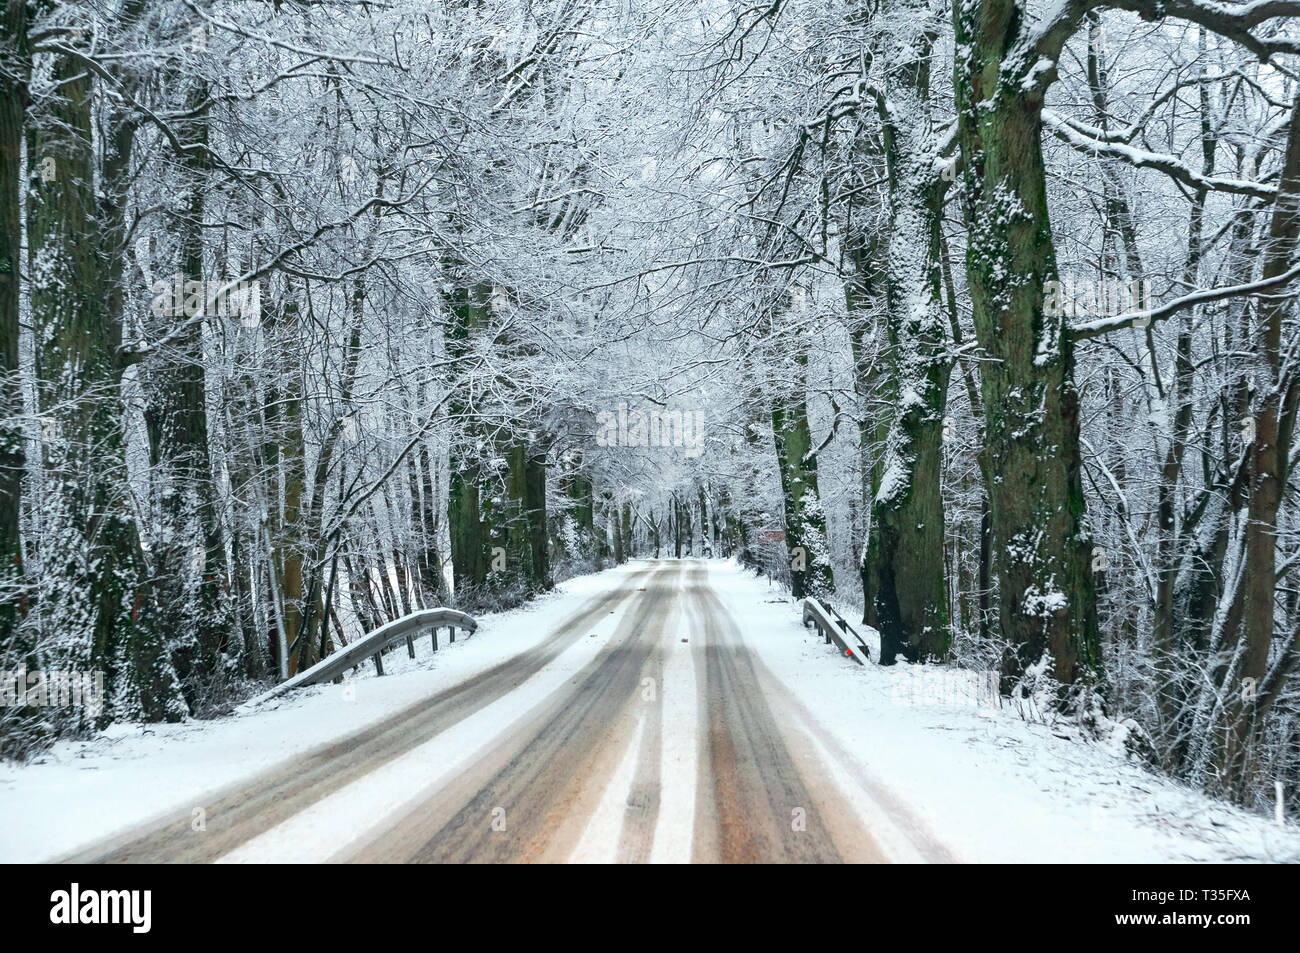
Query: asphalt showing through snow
pixel 762 792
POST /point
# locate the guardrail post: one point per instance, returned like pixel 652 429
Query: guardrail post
pixel 834 628
pixel 410 646
pixel 379 664
pixel 434 631
pixel 451 631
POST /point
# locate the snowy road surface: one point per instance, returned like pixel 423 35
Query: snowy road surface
pixel 538 792
pixel 667 711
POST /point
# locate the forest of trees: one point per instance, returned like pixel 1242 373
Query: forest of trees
pixel 976 314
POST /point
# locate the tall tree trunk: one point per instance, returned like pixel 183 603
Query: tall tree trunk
pixel 13 105
pixel 189 555
pixel 521 523
pixel 96 605
pixel 535 504
pixel 805 520
pixel 1031 408
pixel 582 506
pixel 468 512
pixel 616 527
pixel 1277 394
pixel 864 254
pixel 905 552
pixel 626 524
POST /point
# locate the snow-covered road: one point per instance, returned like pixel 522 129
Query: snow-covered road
pixel 579 772
pixel 668 711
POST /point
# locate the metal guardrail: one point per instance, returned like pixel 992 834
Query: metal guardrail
pixel 835 628
pixel 372 646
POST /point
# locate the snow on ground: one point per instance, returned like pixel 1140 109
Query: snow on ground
pixel 79 792
pixel 925 762
pixel 989 785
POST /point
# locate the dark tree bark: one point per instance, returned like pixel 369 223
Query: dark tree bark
pixel 189 557
pixel 1031 408
pixel 468 511
pixel 805 520
pixel 13 106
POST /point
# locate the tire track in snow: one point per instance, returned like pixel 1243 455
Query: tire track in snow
pixel 758 801
pixel 239 813
pixel 531 799
pixel 641 813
